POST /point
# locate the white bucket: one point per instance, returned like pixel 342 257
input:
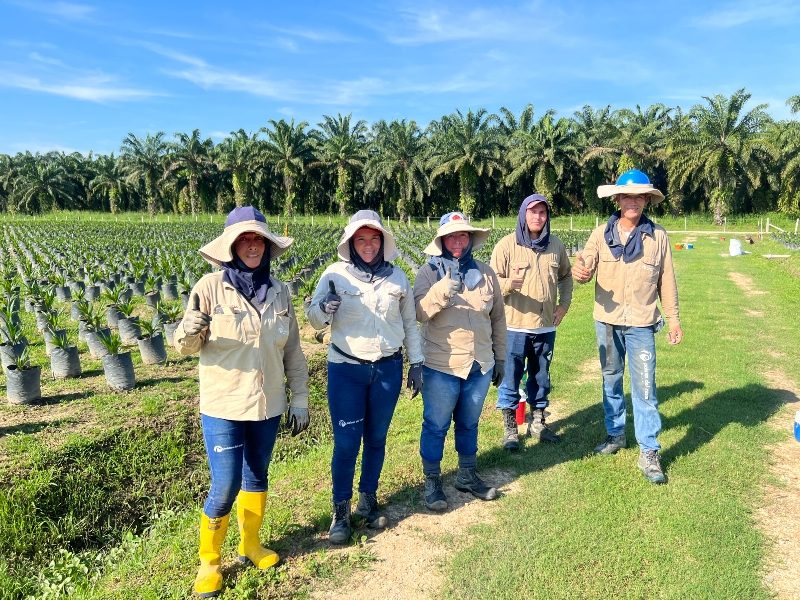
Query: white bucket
pixel 735 248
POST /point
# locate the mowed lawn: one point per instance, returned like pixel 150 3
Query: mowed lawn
pixel 573 525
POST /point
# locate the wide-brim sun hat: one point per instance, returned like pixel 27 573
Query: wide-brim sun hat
pixel 631 182
pixel 453 222
pixel 371 219
pixel 243 219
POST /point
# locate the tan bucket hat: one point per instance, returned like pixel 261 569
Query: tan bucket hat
pixel 451 223
pixel 371 219
pixel 632 181
pixel 243 219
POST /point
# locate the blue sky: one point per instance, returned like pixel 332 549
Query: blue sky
pixel 81 75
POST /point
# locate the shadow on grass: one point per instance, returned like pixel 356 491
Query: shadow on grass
pixel 26 428
pixel 65 397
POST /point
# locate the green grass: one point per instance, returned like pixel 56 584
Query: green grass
pixel 577 526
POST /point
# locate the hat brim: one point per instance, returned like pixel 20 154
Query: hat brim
pixel 390 251
pixel 479 236
pixel 605 191
pixel 220 249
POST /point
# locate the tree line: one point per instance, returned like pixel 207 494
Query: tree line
pixel 720 156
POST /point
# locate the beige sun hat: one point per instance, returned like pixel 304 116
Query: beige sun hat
pixel 371 219
pixel 631 182
pixel 451 223
pixel 243 219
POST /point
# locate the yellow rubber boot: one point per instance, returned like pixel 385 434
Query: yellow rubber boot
pixel 208 582
pixel 250 513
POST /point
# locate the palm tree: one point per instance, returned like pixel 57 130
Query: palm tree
pixel 236 154
pixel 287 150
pixel 794 104
pixel 191 156
pixel 143 161
pixel 722 153
pixel 109 181
pixel 468 146
pixel 44 184
pixel 595 130
pixel 341 147
pixel 397 164
pixel 546 149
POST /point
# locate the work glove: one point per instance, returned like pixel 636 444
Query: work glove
pixel 499 371
pixel 330 303
pixel 195 321
pixel 451 284
pixel 297 419
pixel 414 379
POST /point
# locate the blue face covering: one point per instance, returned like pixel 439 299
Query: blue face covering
pixel 250 283
pixel 633 248
pixel 523 234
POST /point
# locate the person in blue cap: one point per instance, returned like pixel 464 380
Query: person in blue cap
pixel 632 260
pixel 533 267
pixel 241 321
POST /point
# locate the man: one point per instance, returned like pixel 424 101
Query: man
pixel 534 272
pixel 633 262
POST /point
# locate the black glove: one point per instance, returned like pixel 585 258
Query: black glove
pixel 414 379
pixel 499 371
pixel 297 419
pixel 330 303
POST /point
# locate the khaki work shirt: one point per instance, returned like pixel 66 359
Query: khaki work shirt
pixel 374 320
pixel 627 293
pixel 547 283
pixel 457 331
pixel 246 356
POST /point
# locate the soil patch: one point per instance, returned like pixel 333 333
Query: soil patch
pixel 410 556
pixel 745 283
pixel 779 517
pixel 588 370
pixel 754 313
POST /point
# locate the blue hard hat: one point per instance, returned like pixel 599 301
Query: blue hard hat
pixel 633 176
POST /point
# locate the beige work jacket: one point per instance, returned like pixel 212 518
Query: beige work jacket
pixel 628 293
pixel 246 358
pixel 547 283
pixel 470 326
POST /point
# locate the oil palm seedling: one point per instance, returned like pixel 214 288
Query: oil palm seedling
pixel 14 342
pixel 53 329
pixel 23 380
pixel 64 359
pixel 117 365
pixel 151 344
pixel 128 324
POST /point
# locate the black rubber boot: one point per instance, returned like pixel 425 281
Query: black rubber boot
pixel 510 431
pixel 339 533
pixel 538 427
pixel 468 481
pixel 368 508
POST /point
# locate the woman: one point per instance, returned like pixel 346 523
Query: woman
pixel 460 306
pixel 242 322
pixel 369 306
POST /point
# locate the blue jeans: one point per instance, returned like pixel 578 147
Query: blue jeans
pixel 238 458
pixel 448 398
pixel 537 350
pixel 639 343
pixel 361 399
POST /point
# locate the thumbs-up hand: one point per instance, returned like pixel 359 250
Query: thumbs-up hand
pixel 517 277
pixel 580 272
pixel 331 302
pixel 452 283
pixel 195 321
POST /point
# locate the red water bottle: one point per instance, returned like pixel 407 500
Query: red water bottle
pixel 521 411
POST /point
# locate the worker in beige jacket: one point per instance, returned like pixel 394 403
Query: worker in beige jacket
pixel 241 320
pixel 534 272
pixel 464 339
pixel 632 258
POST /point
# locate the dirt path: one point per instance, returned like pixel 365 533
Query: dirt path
pixel 779 517
pixel 745 283
pixel 410 556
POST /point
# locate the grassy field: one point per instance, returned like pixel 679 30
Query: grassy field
pixel 102 491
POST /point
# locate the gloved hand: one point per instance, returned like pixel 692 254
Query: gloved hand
pixel 499 371
pixel 451 284
pixel 297 419
pixel 195 321
pixel 330 303
pixel 414 379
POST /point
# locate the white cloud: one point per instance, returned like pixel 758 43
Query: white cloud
pixel 97 88
pixel 71 11
pixel 742 13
